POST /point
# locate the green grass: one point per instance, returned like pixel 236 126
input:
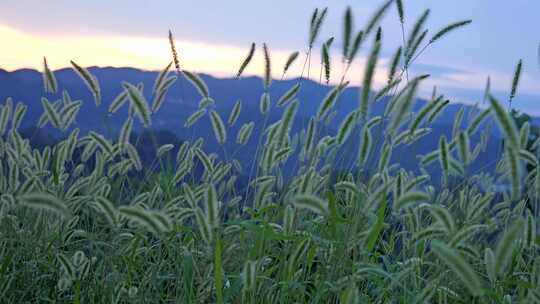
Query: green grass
pixel 89 230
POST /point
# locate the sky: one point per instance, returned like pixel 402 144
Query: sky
pixel 214 36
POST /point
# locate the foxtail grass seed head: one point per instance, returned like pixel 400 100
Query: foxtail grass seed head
pixel 416 31
pixel 174 53
pixel 235 113
pixel 139 103
pixel 310 135
pixel 437 110
pixel 444 156
pixel 204 226
pixel 347 31
pixel 368 79
pixel 212 206
pixel 107 209
pixel 134 156
pixel 161 92
pixel 413 197
pixel 290 60
pixel 411 51
pixel 219 127
pixel 423 113
pixel 464 147
pixel 287 121
pixel 404 105
pixel 52 114
pixel 289 95
pixel 506 123
pixel 459 266
pixel 18 115
pixel 5 115
pixel 67 267
pixel 49 80
pixel 161 78
pixel 90 81
pixel 365 147
pixel 118 101
pixel 125 132
pixel 316 24
pixel 346 127
pixel 328 102
pixel 194 117
pixel 46 202
pixel 244 133
pixel 377 16
pixel 326 61
pixel 311 203
pixel 449 28
pixel 145 218
pixel 102 142
pixel 512 159
pixel 394 64
pixel 288 220
pixel 267 68
pixel 199 84
pixel 249 276
pixel 505 248
pixel 475 123
pixel 264 103
pixel 400 10
pixel 355 47
pixel 164 149
pixel 246 61
pixel 515 80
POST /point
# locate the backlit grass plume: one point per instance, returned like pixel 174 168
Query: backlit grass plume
pixel 267 67
pixel 246 61
pixel 449 28
pixel 199 84
pixel 401 11
pixel 219 127
pixel 311 203
pixel 316 24
pixel 174 53
pixel 49 80
pixel 290 60
pixel 368 79
pixel 460 267
pixel 289 95
pixel 148 219
pixel 347 31
pixel 90 81
pixel 139 103
pixel 515 80
pixel 44 201
pixel 235 112
pixel 415 33
pixel 161 77
pixel 377 16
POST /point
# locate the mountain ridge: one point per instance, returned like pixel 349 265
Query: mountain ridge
pixel 182 100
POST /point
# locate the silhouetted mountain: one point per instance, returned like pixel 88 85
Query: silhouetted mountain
pixel 182 100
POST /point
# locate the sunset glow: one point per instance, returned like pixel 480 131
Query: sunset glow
pixel 27 51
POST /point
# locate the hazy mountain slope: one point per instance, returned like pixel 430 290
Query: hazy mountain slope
pixel 182 100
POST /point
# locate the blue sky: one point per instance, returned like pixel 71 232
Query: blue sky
pixel 134 32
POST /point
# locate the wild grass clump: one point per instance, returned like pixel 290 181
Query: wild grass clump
pixel 87 221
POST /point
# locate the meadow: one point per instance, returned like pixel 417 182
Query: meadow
pixel 86 220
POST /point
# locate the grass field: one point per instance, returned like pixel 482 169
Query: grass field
pixel 83 221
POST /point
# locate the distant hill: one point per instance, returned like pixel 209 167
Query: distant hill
pixel 182 100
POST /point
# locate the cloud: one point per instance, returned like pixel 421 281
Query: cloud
pixel 437 71
pixel 26 51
